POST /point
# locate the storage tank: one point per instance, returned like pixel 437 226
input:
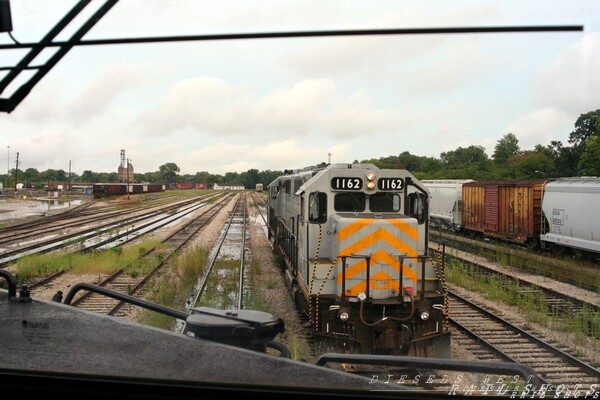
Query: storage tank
pixel 571 214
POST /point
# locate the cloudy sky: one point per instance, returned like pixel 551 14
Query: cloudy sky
pixel 275 104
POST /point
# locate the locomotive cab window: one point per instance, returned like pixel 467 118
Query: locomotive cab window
pixel 384 202
pixel 351 202
pixel 317 207
pixel 274 190
pixel 416 206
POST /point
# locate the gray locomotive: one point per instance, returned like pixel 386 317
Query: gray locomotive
pixel 353 242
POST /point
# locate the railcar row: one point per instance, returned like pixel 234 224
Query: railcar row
pixel 555 214
pixel 352 240
pixel 101 190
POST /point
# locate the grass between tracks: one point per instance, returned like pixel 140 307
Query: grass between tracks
pixel 175 285
pixel 178 284
pixel 531 303
pixel 101 262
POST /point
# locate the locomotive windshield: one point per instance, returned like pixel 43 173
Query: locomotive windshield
pixel 357 202
pixel 354 202
pixel 342 109
pixel 384 202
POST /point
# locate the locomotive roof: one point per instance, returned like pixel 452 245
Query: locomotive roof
pixel 506 182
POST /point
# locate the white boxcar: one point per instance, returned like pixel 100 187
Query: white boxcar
pixel 572 214
pixel 445 207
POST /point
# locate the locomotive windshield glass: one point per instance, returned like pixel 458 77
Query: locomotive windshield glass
pixel 349 202
pixel 384 202
pixel 159 113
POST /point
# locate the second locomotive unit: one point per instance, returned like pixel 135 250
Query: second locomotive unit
pixel 353 241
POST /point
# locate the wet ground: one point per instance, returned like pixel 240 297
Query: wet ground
pixel 27 205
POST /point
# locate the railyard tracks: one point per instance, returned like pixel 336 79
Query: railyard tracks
pixel 222 284
pixel 577 272
pixel 97 230
pixel 554 303
pixel 134 284
pixel 493 338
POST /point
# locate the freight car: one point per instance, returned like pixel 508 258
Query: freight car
pixel 572 216
pixel 552 214
pixel 352 240
pixel 185 185
pixel 101 190
pixel 507 209
pixel 445 208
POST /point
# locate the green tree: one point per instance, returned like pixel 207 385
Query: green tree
pixel 31 175
pixel 232 178
pixel 87 176
pixel 586 126
pixel 529 165
pixel 251 178
pixel 169 172
pixel 268 176
pixel 506 148
pixel 589 163
pixel 462 156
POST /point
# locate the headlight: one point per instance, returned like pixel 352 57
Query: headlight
pixel 344 316
pixel 425 315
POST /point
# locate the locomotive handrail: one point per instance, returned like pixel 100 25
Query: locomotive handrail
pixel 12 283
pixel 125 298
pixel 367 257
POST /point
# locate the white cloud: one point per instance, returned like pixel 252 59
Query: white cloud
pixel 112 81
pixel 572 82
pixel 541 127
pixel 214 107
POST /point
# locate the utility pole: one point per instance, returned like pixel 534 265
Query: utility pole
pixel 69 188
pixel 128 196
pixel 16 173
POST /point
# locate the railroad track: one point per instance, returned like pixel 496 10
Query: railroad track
pixel 222 284
pixel 552 302
pixel 134 285
pixel 498 339
pixel 134 223
pixel 568 270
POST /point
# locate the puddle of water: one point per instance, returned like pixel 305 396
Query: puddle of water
pixel 16 208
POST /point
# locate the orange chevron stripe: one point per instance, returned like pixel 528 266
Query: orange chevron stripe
pixel 379 257
pixel 388 283
pixel 379 234
pixel 359 224
pixel 403 226
pixel 356 289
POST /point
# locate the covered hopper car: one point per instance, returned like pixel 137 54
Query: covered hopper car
pixel 445 206
pixel 572 216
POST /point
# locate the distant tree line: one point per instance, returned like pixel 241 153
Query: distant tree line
pixel 509 161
